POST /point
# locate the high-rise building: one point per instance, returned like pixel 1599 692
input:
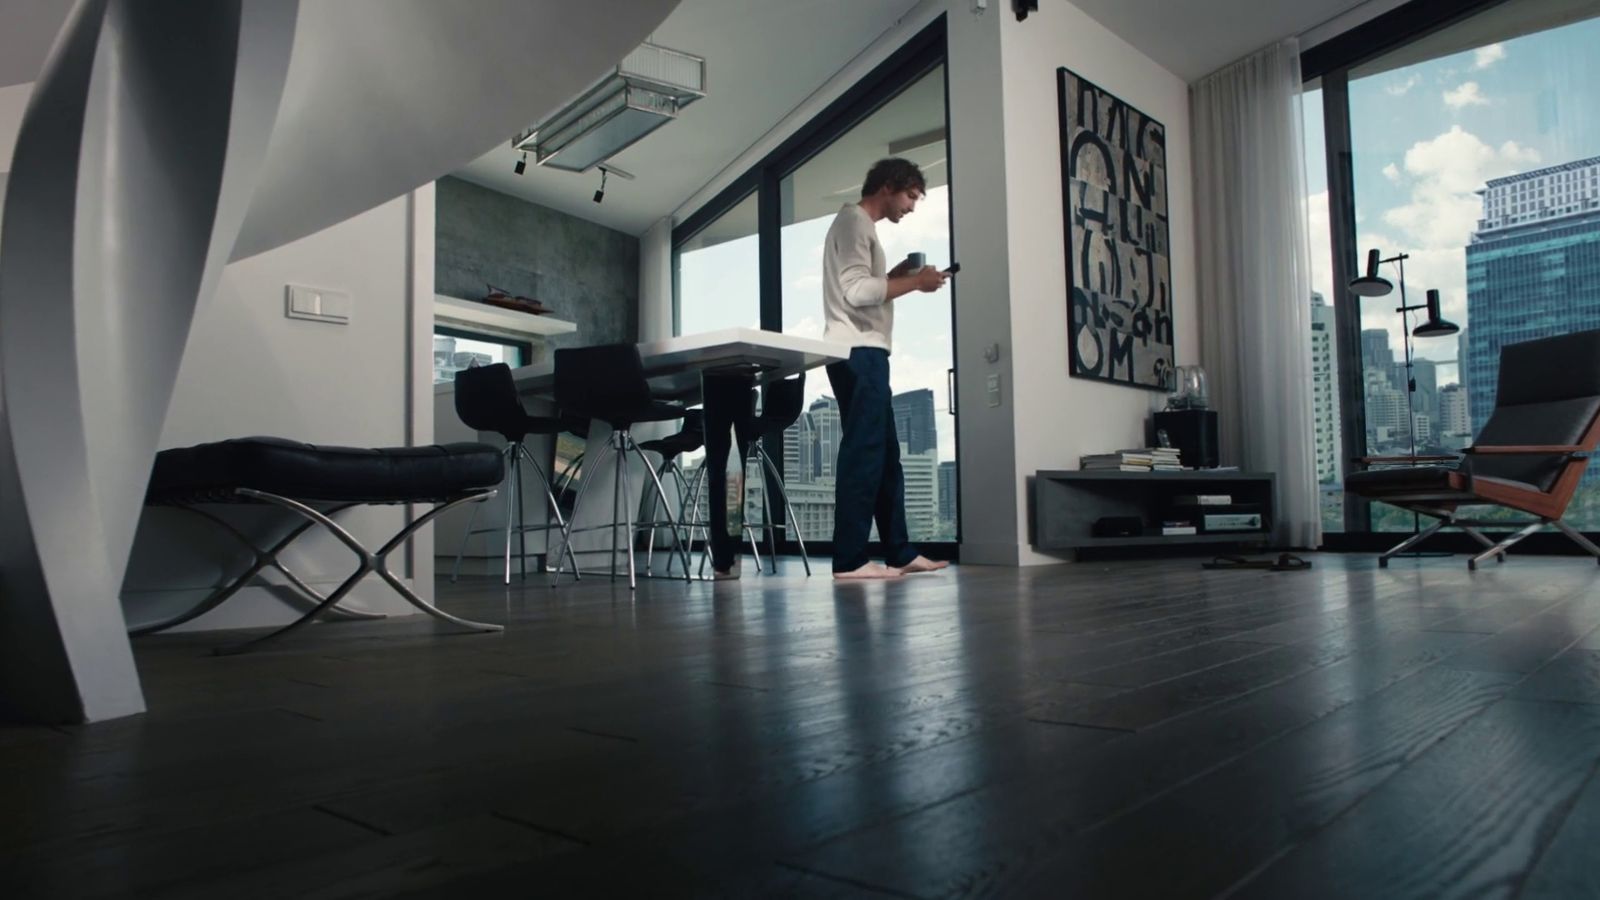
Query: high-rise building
pixel 1324 390
pixel 1533 268
pixel 914 422
pixel 1455 417
pixel 921 490
pixel 826 429
pixel 1386 410
pixel 1375 352
pixel 949 502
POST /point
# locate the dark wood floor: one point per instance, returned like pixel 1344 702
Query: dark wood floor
pixel 1126 729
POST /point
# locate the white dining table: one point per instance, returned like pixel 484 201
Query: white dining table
pixel 675 365
pixel 675 368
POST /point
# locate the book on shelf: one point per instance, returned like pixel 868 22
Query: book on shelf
pixel 1178 527
pixel 1162 459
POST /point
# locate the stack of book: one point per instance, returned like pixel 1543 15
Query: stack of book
pixel 1144 459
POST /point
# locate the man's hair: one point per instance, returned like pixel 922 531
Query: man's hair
pixel 895 173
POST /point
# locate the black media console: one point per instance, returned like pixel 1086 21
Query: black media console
pixel 1066 505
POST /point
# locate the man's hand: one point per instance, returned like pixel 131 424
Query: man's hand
pixel 926 279
pixel 929 279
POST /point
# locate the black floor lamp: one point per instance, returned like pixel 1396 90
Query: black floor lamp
pixel 1371 284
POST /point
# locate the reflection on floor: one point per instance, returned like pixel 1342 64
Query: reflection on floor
pixel 1117 729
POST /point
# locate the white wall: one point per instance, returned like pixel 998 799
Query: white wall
pixel 13 101
pixel 655 281
pixel 986 435
pixel 249 370
pixel 1059 418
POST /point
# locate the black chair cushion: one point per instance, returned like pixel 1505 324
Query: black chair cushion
pixel 1559 422
pixel 1402 478
pixel 336 474
pixel 1563 367
pixel 486 400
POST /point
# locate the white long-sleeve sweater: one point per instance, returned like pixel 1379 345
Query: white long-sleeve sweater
pixel 855 282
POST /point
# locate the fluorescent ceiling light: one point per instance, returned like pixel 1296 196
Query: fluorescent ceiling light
pixel 641 94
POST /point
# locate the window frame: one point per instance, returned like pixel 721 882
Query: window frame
pixel 921 54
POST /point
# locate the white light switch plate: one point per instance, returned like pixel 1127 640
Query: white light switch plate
pixel 994 389
pixel 317 304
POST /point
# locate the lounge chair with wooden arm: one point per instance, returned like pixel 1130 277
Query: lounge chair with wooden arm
pixel 1529 457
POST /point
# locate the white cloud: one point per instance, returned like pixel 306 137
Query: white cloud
pixel 1446 173
pixel 1512 152
pixel 1435 224
pixel 1466 95
pixel 1488 56
pixel 1392 172
pixel 1401 88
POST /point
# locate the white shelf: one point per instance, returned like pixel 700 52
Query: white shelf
pixel 494 320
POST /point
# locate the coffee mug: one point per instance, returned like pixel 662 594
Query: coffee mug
pixel 917 260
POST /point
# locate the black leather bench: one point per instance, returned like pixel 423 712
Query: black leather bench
pixel 316 483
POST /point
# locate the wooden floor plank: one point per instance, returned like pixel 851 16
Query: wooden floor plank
pixel 1067 730
pixel 1468 819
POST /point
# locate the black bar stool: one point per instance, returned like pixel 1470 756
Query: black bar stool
pixel 781 405
pixel 486 400
pixel 691 436
pixel 607 383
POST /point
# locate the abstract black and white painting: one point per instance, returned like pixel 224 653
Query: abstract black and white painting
pixel 1114 181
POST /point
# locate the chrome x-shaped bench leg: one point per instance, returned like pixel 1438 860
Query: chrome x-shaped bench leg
pixel 369 562
pixel 262 560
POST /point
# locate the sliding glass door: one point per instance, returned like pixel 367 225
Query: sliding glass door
pixel 912 126
pixel 1473 151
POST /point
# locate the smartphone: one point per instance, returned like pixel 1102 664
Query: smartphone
pixel 954 268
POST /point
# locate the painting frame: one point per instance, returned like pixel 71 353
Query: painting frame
pixel 1116 219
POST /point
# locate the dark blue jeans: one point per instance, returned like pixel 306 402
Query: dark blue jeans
pixel 869 485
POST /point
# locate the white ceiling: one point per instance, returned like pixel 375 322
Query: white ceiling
pixel 1193 38
pixel 763 58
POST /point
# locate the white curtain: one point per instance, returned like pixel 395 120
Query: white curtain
pixel 1254 267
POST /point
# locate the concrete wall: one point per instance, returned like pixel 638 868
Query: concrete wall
pixel 1059 418
pixel 586 273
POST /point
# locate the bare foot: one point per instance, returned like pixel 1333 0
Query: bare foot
pixel 731 575
pixel 870 571
pixel 923 564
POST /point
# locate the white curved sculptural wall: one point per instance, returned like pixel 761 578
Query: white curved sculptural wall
pixel 163 139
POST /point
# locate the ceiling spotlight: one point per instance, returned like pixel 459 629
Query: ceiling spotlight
pixel 522 165
pixel 601 194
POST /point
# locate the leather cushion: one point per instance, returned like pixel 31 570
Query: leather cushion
pixel 1403 478
pixel 1549 422
pixel 309 472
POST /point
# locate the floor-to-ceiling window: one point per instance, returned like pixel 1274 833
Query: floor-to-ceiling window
pixel 717 274
pixel 1473 151
pixel 778 213
pixel 911 126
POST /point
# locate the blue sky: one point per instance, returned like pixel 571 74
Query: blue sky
pixel 1427 137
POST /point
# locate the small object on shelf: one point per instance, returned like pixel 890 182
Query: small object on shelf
pixel 1178 527
pixel 1202 500
pixel 1117 526
pixel 1189 389
pixel 1231 522
pixel 498 297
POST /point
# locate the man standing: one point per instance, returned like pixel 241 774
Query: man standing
pixel 857 300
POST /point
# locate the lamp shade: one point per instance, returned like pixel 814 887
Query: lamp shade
pixel 1437 325
pixel 1372 284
